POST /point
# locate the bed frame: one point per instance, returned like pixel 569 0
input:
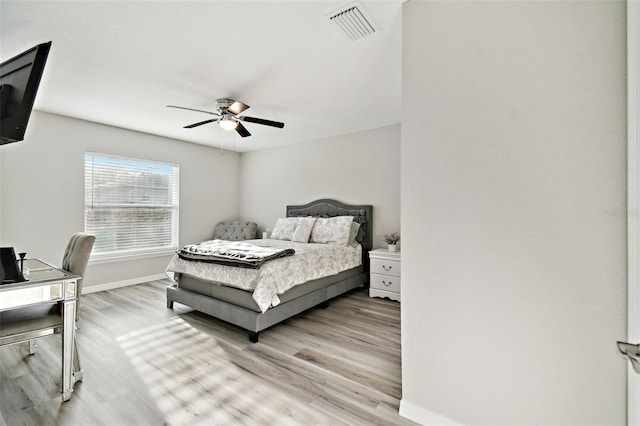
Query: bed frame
pixel 255 322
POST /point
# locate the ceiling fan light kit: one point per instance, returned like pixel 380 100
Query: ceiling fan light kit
pixel 228 123
pixel 228 117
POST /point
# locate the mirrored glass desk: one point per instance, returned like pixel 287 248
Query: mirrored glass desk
pixel 47 286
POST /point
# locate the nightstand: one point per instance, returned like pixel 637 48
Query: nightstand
pixel 385 274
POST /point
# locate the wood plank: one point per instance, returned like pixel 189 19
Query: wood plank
pixel 145 364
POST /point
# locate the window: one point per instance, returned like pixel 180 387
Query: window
pixel 130 205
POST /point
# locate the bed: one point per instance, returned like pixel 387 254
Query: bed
pixel 238 306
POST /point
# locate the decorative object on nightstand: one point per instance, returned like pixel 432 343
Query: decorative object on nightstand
pixel 384 280
pixel 392 240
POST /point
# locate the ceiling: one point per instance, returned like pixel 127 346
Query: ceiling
pixel 120 63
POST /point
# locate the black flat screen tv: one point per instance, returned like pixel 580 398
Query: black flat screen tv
pixel 19 81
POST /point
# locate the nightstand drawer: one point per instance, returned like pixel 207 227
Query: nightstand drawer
pixel 385 267
pixel 385 282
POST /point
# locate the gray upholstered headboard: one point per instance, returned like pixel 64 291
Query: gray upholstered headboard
pixel 363 214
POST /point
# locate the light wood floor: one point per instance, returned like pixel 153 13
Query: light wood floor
pixel 147 365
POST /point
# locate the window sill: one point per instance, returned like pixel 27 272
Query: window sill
pixel 130 256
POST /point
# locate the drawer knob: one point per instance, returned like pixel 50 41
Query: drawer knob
pixel 387 268
pixel 385 283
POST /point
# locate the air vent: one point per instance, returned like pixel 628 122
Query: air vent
pixel 353 21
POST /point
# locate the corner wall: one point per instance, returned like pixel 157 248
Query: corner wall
pixel 42 188
pixel 360 168
pixel 513 184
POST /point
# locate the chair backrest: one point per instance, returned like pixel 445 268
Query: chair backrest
pixel 76 258
pixel 235 231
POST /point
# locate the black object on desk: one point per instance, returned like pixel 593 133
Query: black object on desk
pixel 9 264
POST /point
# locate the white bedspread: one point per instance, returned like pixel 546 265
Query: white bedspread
pixel 310 262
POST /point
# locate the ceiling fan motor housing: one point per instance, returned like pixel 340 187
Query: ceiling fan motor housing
pixel 223 104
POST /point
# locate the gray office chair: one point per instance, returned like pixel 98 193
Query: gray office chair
pixel 76 258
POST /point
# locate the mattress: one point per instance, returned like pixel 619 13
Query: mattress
pixel 244 298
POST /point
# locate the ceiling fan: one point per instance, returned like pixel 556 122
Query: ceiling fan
pixel 228 117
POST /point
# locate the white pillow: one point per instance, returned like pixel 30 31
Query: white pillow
pixel 331 230
pixel 285 226
pixel 277 229
pixel 353 233
pixel 303 229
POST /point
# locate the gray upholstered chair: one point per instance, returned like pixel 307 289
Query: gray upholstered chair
pixel 76 258
pixel 235 231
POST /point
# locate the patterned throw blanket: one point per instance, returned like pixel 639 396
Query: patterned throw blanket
pixel 232 253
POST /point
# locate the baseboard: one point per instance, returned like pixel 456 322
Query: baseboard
pixel 117 284
pixel 424 417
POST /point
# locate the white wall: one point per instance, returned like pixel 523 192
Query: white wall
pixel 47 170
pixel 360 168
pixel 42 188
pixel 513 175
pixel 633 202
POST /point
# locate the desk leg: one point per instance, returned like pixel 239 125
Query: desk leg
pixel 78 374
pixel 33 345
pixel 68 338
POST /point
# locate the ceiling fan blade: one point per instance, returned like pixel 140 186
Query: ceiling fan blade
pixel 237 107
pixel 192 109
pixel 262 121
pixel 242 131
pixel 191 126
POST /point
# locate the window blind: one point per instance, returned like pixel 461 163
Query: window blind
pixel 131 205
